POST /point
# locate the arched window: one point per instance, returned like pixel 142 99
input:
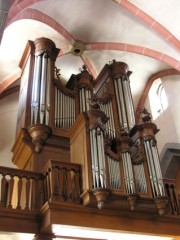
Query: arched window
pixel 157 98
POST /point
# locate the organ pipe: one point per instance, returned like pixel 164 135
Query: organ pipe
pixel 139 174
pixel 114 173
pixel 97 119
pixel 106 106
pixel 40 97
pixel 124 102
pixel 148 130
pixel 125 142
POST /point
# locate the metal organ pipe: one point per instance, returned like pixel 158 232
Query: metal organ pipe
pixel 128 173
pixel 124 102
pixel 48 90
pixel 100 157
pixel 40 96
pixel 140 179
pixel 40 101
pixel 43 88
pixel 33 91
pixel 110 126
pixel 131 107
pixel 154 168
pixel 64 108
pixel 36 89
pixel 84 96
pixel 95 159
pixel 114 173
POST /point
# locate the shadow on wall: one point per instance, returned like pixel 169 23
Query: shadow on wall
pixel 170 160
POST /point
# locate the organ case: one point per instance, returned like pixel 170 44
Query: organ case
pixel 89 122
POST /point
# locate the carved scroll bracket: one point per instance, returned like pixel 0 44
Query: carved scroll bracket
pixel 97 118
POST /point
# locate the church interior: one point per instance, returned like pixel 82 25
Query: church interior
pixel 89 120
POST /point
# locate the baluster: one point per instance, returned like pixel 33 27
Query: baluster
pixel 47 186
pixel 27 193
pixel 41 192
pixel 54 183
pixel 77 186
pixel 177 205
pixel 19 193
pixel 36 194
pixel 61 184
pixel 69 184
pixel 11 186
pixel 3 188
pixel 32 195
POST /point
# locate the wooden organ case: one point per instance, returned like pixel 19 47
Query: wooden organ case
pixel 90 123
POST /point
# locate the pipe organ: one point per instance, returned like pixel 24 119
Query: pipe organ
pixel 92 121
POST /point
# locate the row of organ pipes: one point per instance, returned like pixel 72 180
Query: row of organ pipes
pixel 40 101
pixel 114 106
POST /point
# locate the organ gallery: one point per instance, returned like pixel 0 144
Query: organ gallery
pixel 82 142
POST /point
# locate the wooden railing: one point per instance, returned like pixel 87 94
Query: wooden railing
pixel 173 198
pixel 62 181
pixel 25 190
pixel 20 189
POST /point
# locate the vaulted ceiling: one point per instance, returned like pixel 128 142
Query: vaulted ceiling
pixel 144 34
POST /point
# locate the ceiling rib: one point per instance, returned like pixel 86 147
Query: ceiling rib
pixel 161 30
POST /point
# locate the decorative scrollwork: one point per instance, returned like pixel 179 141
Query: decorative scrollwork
pixel 57 72
pixel 137 152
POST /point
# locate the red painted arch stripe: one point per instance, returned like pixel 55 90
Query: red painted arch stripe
pixel 151 22
pixel 41 17
pixel 134 49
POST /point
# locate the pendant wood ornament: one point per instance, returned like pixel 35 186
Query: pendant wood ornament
pixel 161 203
pixel 101 196
pixel 39 134
pixel 132 201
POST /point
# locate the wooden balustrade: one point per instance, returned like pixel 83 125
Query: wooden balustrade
pixel 62 181
pixel 20 189
pixel 174 200
pixel 59 181
pixel 26 190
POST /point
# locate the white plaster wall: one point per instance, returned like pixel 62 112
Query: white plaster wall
pixel 8 117
pixel 169 121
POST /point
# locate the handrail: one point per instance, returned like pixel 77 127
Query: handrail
pixel 62 181
pixel 20 189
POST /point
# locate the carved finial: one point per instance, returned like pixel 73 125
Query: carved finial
pixel 145 116
pixel 83 69
pixel 111 62
pixel 57 72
